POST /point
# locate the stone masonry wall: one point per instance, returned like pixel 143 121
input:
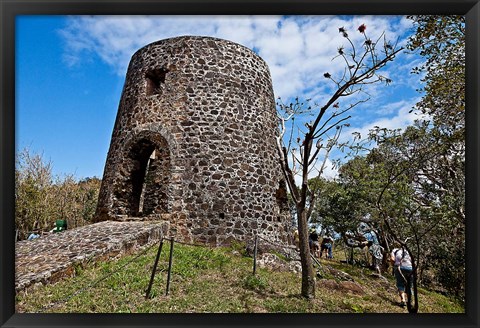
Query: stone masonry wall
pixel 52 257
pixel 194 144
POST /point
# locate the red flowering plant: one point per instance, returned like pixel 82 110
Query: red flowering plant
pixel 368 42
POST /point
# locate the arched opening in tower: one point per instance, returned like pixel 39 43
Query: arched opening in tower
pixel 147 173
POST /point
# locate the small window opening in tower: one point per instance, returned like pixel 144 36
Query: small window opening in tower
pixel 155 78
pixel 281 196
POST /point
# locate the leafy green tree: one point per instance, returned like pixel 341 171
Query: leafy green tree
pixel 400 184
pixel 381 180
pixel 440 40
pixel 88 196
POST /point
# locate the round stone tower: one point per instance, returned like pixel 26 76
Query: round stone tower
pixel 194 144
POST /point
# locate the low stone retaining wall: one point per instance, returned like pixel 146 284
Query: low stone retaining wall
pixel 51 257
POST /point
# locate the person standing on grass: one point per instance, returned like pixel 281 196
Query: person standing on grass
pixel 376 250
pixel 327 245
pixel 313 242
pixel 402 268
pixel 296 240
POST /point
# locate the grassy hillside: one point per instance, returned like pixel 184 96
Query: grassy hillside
pixel 217 280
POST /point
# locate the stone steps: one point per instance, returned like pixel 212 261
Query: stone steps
pixel 51 257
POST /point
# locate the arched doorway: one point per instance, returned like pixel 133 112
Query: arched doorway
pixel 146 170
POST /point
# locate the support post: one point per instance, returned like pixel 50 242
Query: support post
pixel 255 255
pixel 315 261
pixel 152 277
pixel 169 266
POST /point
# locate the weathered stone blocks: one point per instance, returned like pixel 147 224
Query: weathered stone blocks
pixel 194 138
pixel 51 257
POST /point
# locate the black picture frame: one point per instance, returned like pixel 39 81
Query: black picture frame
pixel 9 9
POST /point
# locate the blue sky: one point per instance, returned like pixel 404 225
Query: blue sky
pixel 70 73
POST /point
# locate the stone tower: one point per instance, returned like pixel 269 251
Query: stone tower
pixel 194 144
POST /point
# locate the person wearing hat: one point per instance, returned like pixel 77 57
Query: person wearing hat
pixel 313 242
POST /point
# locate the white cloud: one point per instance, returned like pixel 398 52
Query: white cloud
pixel 329 171
pixel 395 107
pixel 298 49
pixel 402 117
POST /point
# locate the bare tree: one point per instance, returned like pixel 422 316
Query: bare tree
pixel 33 178
pixel 42 197
pixel 305 148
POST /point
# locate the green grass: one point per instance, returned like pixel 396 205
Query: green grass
pixel 217 280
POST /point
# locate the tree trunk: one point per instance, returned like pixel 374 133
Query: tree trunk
pixel 308 274
pixel 386 252
pixel 412 308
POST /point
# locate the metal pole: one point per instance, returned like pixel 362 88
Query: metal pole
pixel 169 266
pixel 316 261
pixel 255 255
pixel 154 269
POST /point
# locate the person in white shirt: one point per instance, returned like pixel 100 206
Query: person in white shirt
pixel 402 266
